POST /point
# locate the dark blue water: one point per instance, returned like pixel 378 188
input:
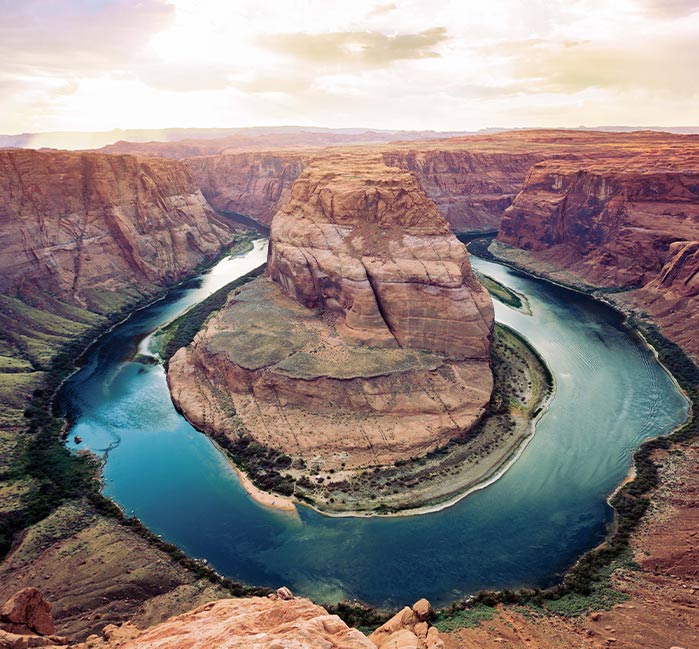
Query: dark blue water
pixel 525 529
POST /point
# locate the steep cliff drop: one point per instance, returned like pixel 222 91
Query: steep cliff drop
pixel 368 344
pixel 84 227
pixel 631 232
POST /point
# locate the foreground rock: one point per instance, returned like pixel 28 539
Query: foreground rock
pixel 251 623
pixel 409 629
pixel 631 226
pixel 368 344
pixel 25 621
pixel 271 623
pixel 661 610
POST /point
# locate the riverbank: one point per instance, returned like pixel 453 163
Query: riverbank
pixel 439 479
pixel 60 534
pixel 601 578
pixel 201 552
pixel 523 389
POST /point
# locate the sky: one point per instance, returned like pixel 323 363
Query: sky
pixel 410 64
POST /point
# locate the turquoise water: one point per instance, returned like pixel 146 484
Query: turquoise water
pixel 526 529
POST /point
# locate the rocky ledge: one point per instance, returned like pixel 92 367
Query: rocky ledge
pixel 88 228
pixel 278 621
pixel 368 344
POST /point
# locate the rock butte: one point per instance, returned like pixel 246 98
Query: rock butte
pixel 368 343
pixel 472 180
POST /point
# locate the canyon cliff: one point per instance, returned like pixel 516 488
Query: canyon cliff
pixel 368 343
pixel 470 188
pixel 630 230
pixel 254 184
pixel 82 226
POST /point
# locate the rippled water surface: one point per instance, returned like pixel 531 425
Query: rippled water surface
pixel 523 530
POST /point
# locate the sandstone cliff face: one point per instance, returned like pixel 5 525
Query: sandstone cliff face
pixel 471 188
pixel 81 225
pixel 361 240
pixel 250 623
pixel 277 622
pixel 631 225
pixel 253 184
pixel 369 342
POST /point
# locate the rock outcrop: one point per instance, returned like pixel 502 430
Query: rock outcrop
pixel 25 621
pixel 409 629
pixel 369 342
pixel 271 623
pixel 631 227
pixel 249 623
pixel 361 240
pixel 80 226
pixel 27 612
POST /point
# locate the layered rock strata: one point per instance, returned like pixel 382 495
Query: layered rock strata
pixel 472 189
pixel 368 343
pixel 253 184
pixel 80 226
pixel 631 228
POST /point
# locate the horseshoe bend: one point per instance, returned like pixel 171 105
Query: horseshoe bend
pixel 366 347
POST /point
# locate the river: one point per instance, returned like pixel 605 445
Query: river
pixel 524 530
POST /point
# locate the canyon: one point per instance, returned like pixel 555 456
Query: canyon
pixel 86 238
pixel 87 234
pixel 82 226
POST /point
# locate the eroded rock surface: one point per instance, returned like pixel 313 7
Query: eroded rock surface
pixel 249 623
pixel 369 342
pixel 83 225
pixel 361 240
pixel 631 226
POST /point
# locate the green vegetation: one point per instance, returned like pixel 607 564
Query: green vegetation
pixel 464 618
pixel 501 292
pixel 38 474
pixel 181 331
pixel 262 464
pixel 522 381
pixel 587 586
pixel 355 614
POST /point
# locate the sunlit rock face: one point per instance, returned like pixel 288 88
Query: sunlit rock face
pixel 81 225
pixel 362 240
pixel 619 224
pixel 368 342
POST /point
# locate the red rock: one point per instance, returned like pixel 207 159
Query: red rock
pixel 240 624
pixel 629 223
pixel 373 322
pixel 284 593
pixel 27 612
pixel 422 609
pixel 81 225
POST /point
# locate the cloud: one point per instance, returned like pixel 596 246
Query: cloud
pixel 671 8
pixel 184 77
pixel 665 63
pixel 361 49
pixel 78 36
pixel 382 10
